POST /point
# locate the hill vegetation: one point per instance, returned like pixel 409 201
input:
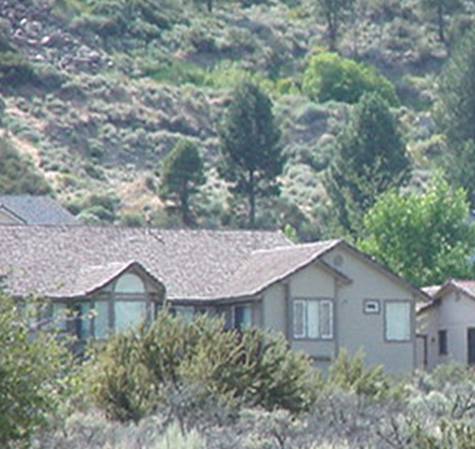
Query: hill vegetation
pixel 98 92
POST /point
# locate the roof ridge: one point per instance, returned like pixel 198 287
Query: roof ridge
pixel 108 226
pixel 294 246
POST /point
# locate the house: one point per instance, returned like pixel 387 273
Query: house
pixel 446 325
pixel 33 210
pixel 322 296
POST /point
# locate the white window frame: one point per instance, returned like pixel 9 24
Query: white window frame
pixel 303 302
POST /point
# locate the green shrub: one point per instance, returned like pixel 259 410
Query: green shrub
pixel 17 174
pixel 351 374
pixel 146 367
pixel 15 70
pixel 332 77
pixel 33 384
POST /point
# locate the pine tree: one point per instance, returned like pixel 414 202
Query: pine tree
pixel 370 158
pixel 441 8
pixel 455 113
pixel 181 176
pixel 335 13
pixel 252 156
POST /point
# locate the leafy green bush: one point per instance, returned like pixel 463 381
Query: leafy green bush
pixel 144 368
pixel 332 77
pixel 33 379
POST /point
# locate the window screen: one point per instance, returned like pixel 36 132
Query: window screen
pixel 398 321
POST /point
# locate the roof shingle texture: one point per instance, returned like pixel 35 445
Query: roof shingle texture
pixel 37 210
pixel 51 260
pixel 263 268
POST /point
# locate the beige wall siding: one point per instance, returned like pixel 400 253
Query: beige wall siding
pixel 274 309
pixel 455 314
pixel 358 330
pixel 353 329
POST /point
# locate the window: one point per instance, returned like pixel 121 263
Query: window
pixel 186 312
pixel 129 314
pixel 129 308
pixel 371 307
pixel 443 348
pixel 129 283
pixel 60 316
pixel 101 319
pixel 81 320
pixel 242 317
pixel 313 318
pixel 398 321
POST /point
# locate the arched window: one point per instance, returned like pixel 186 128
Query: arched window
pixel 129 283
pixel 130 306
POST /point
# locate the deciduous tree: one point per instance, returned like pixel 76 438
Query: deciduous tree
pixel 427 238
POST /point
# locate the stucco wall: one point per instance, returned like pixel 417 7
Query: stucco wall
pixel 353 329
pixel 456 314
pixel 358 330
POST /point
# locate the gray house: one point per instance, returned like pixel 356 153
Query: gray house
pixel 322 296
pixel 446 325
pixel 33 210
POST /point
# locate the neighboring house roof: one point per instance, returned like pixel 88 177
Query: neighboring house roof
pixel 48 260
pixel 438 292
pixel 36 210
pixel 264 268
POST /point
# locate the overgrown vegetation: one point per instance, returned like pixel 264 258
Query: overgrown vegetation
pixel 149 368
pixel 35 376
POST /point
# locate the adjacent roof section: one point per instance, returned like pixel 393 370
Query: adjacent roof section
pixel 264 268
pixel 35 210
pixel 47 260
pixel 464 285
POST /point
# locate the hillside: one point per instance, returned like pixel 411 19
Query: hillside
pixel 97 92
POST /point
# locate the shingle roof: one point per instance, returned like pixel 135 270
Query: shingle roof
pixel 36 209
pixel 263 268
pixel 466 286
pixel 92 278
pixel 46 260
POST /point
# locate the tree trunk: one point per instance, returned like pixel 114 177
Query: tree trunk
pixel 209 4
pixel 332 30
pixel 440 19
pixel 252 201
pixel 184 206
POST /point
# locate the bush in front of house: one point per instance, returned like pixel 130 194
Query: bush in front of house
pixel 182 366
pixel 37 376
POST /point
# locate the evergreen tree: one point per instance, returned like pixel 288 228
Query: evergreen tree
pixel 252 156
pixel 455 113
pixel 442 8
pixel 182 174
pixel 335 13
pixel 370 158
